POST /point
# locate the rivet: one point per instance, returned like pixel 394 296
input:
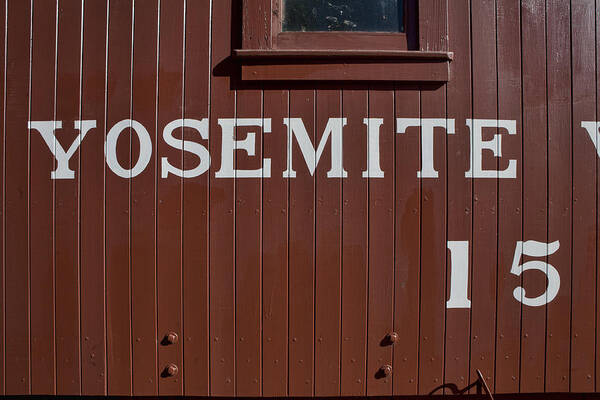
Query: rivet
pixel 392 337
pixel 386 370
pixel 172 338
pixel 172 370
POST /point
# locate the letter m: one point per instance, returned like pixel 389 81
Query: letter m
pixel 311 156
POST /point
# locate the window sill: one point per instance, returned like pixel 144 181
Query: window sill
pixel 343 65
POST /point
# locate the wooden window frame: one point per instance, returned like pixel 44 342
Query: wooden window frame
pixel 417 55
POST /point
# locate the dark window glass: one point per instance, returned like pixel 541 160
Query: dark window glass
pixel 343 15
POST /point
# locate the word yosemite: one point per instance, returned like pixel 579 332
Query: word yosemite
pixel 295 130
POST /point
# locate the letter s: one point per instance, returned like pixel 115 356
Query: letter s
pixel 186 145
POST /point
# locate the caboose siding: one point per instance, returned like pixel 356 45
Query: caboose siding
pixel 288 285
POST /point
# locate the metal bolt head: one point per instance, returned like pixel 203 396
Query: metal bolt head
pixel 172 338
pixel 392 337
pixel 386 370
pixel 172 370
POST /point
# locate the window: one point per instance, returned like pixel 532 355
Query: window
pixel 343 15
pixel 344 24
pixel 344 40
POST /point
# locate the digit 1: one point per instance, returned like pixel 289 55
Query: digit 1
pixel 459 275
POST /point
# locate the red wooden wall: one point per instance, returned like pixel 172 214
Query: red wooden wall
pixel 287 287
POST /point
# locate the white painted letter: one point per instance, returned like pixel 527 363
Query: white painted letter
pixel 459 275
pixel 592 129
pixel 428 126
pixel 334 129
pixel 229 145
pixel 495 145
pixel 373 165
pixel 46 129
pixel 186 145
pixel 110 148
pixel 536 249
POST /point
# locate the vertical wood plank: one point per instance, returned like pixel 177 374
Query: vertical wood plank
pixel 597 38
pixel 221 222
pixel 41 202
pixel 256 24
pixel 93 284
pixel 248 218
pixel 143 198
pixel 535 188
pixel 301 256
pixel 16 266
pixel 407 268
pixel 68 368
pixel 275 249
pixel 433 30
pixel 584 199
pixel 328 192
pixel 248 274
pixel 460 223
pixel 484 243
pixel 195 205
pixel 508 331
pixel 117 206
pixel 381 245
pixel 3 40
pixel 559 192
pixel 168 208
pixel 355 255
pixel 433 252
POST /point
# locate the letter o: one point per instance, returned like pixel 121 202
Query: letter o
pixel 111 148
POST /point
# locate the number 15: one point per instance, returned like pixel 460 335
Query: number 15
pixel 459 272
